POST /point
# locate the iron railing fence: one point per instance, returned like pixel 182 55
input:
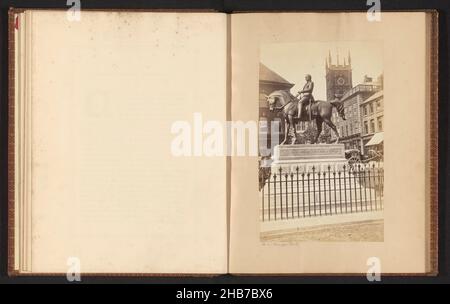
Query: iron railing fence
pixel 287 194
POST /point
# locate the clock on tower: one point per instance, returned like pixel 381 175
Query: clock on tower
pixel 340 80
pixel 338 77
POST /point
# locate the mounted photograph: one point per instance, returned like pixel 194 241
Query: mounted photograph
pixel 321 117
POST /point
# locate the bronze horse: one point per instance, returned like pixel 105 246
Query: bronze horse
pixel 321 112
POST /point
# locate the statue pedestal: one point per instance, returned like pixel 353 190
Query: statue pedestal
pixel 306 156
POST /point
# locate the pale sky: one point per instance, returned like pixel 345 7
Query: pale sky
pixel 293 60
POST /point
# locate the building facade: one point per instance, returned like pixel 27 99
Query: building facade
pixel 372 122
pixel 339 84
pixel 350 129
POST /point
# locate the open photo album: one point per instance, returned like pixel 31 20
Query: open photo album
pixel 203 143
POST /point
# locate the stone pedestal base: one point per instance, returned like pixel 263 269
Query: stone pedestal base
pixel 306 156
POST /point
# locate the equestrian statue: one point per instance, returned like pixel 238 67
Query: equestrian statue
pixel 303 107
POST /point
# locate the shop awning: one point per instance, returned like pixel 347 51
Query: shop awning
pixel 376 139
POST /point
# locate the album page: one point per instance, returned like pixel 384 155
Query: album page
pixel 120 181
pixel 354 198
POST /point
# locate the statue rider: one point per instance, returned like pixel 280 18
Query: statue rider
pixel 307 94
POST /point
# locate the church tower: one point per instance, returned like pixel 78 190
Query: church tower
pixel 338 76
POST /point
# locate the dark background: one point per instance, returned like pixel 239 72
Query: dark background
pixel 229 6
